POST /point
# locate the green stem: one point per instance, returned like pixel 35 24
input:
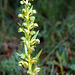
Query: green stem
pixel 62 73
pixel 30 66
pixel 27 1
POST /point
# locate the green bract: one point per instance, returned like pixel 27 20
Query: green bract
pixel 30 39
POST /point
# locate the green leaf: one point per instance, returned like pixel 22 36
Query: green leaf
pixel 59 22
pixel 19 24
pixel 72 67
pixel 58 56
pixel 33 67
pixel 18 54
pixel 62 55
pixel 37 56
pixel 31 9
pixel 50 63
pixel 34 37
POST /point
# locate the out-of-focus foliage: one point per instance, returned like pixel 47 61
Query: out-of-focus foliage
pixel 10 66
pixel 56 19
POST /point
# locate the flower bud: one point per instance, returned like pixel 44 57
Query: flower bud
pixel 29 4
pixel 22 56
pixel 20 15
pixel 24 2
pixel 33 60
pixel 32 32
pixel 24 63
pixel 31 49
pixel 34 11
pixel 35 24
pixel 32 18
pixel 21 2
pixel 23 10
pixel 37 69
pixel 24 24
pixel 38 41
pixel 20 30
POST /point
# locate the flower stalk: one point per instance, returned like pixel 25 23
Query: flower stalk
pixel 30 40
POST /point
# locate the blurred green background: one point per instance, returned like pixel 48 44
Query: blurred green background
pixel 56 19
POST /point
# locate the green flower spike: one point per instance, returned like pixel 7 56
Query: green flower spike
pixel 30 39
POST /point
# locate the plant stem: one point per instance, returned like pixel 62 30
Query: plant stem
pixel 30 66
pixel 26 1
pixel 29 62
pixel 29 40
pixel 62 73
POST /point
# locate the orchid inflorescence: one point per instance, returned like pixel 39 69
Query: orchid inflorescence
pixel 29 41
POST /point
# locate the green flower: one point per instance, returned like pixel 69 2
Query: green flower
pixel 29 40
pixel 20 15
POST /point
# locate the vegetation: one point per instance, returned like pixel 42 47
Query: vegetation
pixel 29 40
pixel 56 20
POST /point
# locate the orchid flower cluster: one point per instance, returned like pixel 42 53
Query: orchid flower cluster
pixel 29 40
